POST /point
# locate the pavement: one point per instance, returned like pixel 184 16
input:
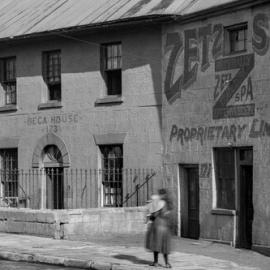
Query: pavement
pixel 127 252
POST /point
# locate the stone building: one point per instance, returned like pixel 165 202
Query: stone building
pixel 80 101
pixel 92 92
pixel 216 120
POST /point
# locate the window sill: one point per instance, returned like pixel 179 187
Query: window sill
pixel 232 53
pixel 109 100
pixel 50 105
pixel 8 108
pixel 223 212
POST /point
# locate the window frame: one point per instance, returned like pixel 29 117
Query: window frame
pixel 9 80
pixel 112 177
pixel 218 185
pixel 112 75
pixel 242 155
pixel 9 175
pixel 54 85
pixel 228 32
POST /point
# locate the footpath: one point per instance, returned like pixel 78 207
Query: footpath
pixel 127 252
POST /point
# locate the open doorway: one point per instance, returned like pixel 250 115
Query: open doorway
pixel 53 164
pixel 245 198
pixel 54 188
pixel 190 201
pixel 234 188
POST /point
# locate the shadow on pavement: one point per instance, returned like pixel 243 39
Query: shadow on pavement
pixel 131 258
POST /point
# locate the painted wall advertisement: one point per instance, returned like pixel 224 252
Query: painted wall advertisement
pixel 233 90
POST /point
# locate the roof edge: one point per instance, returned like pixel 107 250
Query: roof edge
pixel 154 18
pixel 219 10
pixel 157 18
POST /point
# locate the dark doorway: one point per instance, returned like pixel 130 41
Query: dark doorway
pixel 54 188
pixel 190 202
pixel 53 164
pixel 246 206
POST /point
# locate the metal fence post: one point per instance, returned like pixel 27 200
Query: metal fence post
pixel 137 194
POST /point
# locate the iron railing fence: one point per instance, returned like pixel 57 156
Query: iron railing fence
pixel 64 188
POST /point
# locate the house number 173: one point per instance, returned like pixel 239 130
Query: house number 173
pixel 53 129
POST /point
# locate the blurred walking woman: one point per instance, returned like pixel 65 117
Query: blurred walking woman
pixel 158 232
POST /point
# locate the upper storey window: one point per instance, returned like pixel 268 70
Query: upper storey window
pixel 52 74
pixel 236 38
pixel 112 67
pixel 9 80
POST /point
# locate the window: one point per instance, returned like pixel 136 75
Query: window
pixel 236 38
pixel 9 80
pixel 112 160
pixel 232 167
pixel 9 175
pixel 225 177
pixel 112 67
pixel 52 74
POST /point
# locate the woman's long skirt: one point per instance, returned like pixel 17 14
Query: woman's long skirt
pixel 158 236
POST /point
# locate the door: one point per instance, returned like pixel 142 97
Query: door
pixel 193 203
pixel 54 188
pixel 246 206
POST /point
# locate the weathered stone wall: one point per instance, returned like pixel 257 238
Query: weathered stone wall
pixel 33 222
pixel 73 224
pixel 95 222
pixel 216 100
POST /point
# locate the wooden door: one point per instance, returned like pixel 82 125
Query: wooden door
pixel 54 188
pixel 246 206
pixel 193 203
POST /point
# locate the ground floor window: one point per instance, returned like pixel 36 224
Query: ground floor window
pixel 9 175
pixel 225 177
pixel 229 166
pixel 112 166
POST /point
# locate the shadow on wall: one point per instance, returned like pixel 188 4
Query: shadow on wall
pixel 80 53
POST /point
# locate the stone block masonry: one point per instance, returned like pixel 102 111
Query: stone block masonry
pixel 73 224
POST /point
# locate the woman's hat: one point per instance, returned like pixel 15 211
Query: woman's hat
pixel 155 204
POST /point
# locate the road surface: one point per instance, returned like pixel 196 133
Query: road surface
pixel 9 265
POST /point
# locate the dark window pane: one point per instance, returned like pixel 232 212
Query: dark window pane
pixel 225 178
pixel 10 70
pixel 238 39
pixel 55 92
pixel 9 80
pixel 114 82
pixel 246 155
pixel 53 74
